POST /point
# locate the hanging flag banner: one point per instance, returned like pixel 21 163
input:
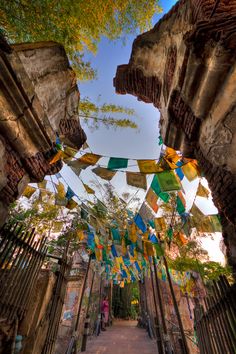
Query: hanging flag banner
pixel 148 248
pixel 28 191
pixel 60 197
pixel 160 224
pixel 56 158
pixel 116 163
pixel 133 233
pixel 196 212
pixel 216 225
pixel 168 181
pixel 89 159
pixel 69 193
pixel 181 237
pixel 148 166
pixel 171 157
pixel 104 173
pixel 136 180
pixel 202 191
pixel 42 185
pixel 151 199
pixel 88 189
pixel 116 236
pixel 71 204
pixel 68 153
pixel 190 171
pixel 139 222
pixel 179 173
pixel 145 212
pixel 181 197
pixel 156 188
pixel 179 205
pixel 76 166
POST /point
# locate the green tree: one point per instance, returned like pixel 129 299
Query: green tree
pixel 77 25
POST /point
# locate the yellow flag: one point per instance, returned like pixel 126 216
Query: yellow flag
pixel 160 224
pixel 29 191
pixel 148 166
pixel 68 153
pixel 190 171
pixel 136 179
pixel 171 157
pixel 89 159
pixel 61 190
pixel 104 173
pixel 56 158
pixel 133 233
pixel 80 235
pixel 202 191
pixel 149 248
pixel 71 204
pixel 88 189
pixel 98 254
pixel 43 184
pixel 196 212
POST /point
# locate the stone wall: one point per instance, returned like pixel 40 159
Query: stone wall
pixel 38 101
pixel 186 67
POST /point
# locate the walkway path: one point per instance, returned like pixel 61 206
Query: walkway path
pixel 124 337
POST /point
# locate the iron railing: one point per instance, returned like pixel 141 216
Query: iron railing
pixel 215 323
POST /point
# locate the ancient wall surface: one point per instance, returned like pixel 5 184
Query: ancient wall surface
pixel 186 67
pixel 38 101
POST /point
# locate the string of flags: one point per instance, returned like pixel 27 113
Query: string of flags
pixel 125 253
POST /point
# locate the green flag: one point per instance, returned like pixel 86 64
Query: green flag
pixel 117 162
pixel 168 181
pixel 180 206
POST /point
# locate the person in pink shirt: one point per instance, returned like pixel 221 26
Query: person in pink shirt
pixel 105 312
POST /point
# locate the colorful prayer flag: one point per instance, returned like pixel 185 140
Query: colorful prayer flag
pixel 202 191
pixel 69 193
pixel 190 171
pixel 116 163
pixel 43 184
pixel 71 204
pixel 179 205
pixel 56 158
pixel 168 181
pixel 139 222
pixel 156 188
pixel 28 191
pixel 148 166
pixel 136 179
pixel 160 224
pixel 104 173
pixel 89 159
pixel 145 212
pixel 151 199
pixel 88 189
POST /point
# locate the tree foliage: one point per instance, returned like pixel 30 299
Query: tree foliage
pixel 76 24
pixel 94 115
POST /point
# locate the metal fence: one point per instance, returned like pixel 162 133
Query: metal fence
pixel 21 258
pixel 215 322
pixel 57 301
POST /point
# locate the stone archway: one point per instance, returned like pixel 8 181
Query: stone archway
pixel 186 67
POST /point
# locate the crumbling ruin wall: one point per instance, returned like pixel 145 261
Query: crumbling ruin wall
pixel 186 67
pixel 38 101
